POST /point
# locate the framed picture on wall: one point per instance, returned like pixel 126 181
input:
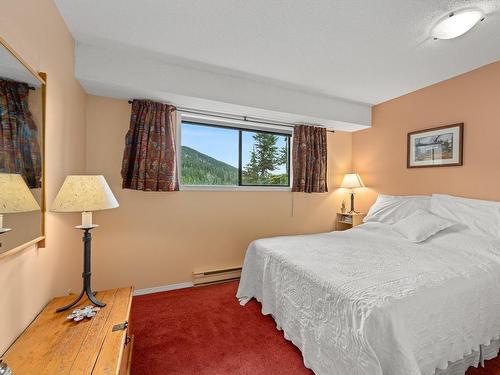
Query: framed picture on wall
pixel 436 147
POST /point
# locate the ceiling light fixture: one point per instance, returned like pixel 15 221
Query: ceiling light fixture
pixel 457 23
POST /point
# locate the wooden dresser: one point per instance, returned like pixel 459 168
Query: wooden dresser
pixel 54 345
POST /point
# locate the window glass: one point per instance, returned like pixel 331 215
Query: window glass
pixel 264 158
pixel 216 155
pixel 209 155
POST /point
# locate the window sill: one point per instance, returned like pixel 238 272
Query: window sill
pixel 234 188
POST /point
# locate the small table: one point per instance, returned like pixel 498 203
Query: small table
pixel 54 345
pixel 348 220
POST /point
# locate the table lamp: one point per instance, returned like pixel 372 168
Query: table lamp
pixel 84 194
pixel 352 181
pixel 15 196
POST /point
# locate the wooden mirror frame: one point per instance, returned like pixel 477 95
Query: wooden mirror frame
pixel 42 78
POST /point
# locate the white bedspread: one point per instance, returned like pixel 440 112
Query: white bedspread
pixel 366 301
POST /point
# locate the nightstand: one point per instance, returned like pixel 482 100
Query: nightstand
pixel 348 221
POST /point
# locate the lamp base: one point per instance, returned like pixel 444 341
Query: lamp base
pixel 352 211
pixel 91 297
pixel 86 290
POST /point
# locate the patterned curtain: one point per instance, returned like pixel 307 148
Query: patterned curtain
pixel 19 147
pixel 309 159
pixel 149 159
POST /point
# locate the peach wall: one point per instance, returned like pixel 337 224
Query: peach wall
pixel 379 153
pixel 156 239
pixel 29 279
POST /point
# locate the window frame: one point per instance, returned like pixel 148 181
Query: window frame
pixel 240 126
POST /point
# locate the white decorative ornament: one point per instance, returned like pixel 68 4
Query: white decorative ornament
pixel 80 314
pixel 457 23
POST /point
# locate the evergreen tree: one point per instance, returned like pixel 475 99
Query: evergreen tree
pixel 267 153
pixel 265 158
pixel 251 170
pixel 283 157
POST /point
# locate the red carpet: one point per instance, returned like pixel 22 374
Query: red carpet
pixel 204 331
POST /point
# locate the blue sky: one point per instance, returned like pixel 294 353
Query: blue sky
pixel 221 143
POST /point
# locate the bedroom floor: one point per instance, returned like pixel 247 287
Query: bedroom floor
pixel 205 331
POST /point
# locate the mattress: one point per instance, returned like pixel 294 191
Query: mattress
pixel 366 301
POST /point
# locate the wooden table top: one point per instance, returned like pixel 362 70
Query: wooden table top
pixel 54 345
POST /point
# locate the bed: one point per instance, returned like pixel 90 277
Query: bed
pixel 369 301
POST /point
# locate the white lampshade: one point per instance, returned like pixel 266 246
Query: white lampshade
pixel 84 194
pixel 352 181
pixel 15 196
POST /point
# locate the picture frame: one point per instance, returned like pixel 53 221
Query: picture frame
pixel 441 146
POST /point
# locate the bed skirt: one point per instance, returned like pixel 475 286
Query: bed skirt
pixel 474 359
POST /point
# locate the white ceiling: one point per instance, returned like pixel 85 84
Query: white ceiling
pixel 362 50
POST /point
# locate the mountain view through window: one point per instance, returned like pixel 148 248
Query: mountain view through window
pixel 216 155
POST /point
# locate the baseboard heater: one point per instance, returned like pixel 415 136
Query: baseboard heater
pixel 209 277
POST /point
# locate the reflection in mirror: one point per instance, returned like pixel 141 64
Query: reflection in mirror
pixel 15 196
pixel 21 159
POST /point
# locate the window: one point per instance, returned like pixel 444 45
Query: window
pixel 216 155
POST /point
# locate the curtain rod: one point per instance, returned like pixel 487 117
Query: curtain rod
pixel 236 117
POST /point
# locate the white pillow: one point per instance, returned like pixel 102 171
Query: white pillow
pixel 421 225
pixel 392 208
pixel 478 215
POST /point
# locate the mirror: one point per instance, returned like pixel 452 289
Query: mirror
pixel 22 98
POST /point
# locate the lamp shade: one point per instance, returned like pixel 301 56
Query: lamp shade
pixel 352 181
pixel 15 196
pixel 84 193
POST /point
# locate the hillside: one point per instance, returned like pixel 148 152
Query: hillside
pixel 196 164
